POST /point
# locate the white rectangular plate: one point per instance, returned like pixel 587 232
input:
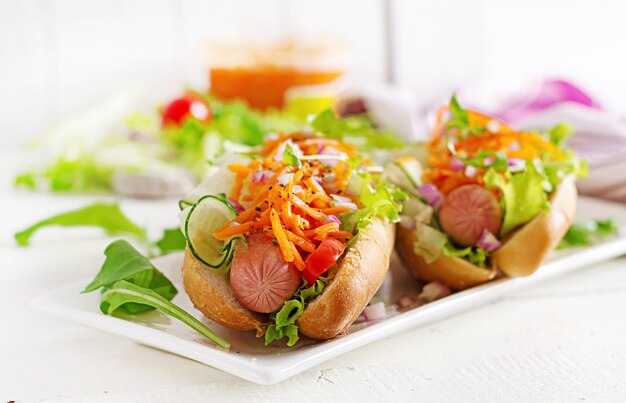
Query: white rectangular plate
pixel 248 358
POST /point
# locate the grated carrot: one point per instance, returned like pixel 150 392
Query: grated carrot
pixel 283 243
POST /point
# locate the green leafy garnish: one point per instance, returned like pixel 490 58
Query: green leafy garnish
pixel 123 262
pixel 109 217
pixel 290 158
pixel 583 233
pixel 381 200
pixel 131 284
pixel 559 133
pixel 523 196
pixel 356 130
pixel 172 240
pixel 124 293
pixel 285 319
pixel 473 254
pixel 460 119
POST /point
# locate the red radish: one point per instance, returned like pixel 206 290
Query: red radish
pixel 467 211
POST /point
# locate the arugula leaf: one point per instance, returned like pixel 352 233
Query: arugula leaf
pixel 582 233
pixel 290 157
pixel 286 317
pixel 356 130
pixel 523 196
pixel 124 293
pixel 123 262
pixel 172 240
pixel 109 217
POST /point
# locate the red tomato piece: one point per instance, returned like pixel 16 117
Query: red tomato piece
pixel 323 258
pixel 185 107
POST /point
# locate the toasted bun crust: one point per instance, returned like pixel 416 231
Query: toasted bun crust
pixel 211 294
pixel 360 274
pixel 527 247
pixel 453 271
pixel 520 255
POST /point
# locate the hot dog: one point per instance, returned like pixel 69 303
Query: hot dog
pixel 488 200
pixel 260 278
pixel 302 242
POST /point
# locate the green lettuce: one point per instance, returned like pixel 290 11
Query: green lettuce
pixel 285 319
pixel 473 254
pixel 356 130
pixel 583 233
pixel 523 196
pixel 382 201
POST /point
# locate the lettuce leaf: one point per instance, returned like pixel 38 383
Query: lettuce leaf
pixel 382 201
pixel 472 254
pixel 356 130
pixel 583 233
pixel 286 317
pixel 523 196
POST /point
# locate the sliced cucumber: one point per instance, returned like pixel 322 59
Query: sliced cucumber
pixel 200 221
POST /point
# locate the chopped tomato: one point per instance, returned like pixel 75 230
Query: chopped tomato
pixel 185 107
pixel 323 258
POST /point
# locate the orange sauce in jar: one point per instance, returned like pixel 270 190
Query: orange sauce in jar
pixel 264 87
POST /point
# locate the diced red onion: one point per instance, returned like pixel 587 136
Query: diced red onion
pixel 342 201
pixel 284 179
pixel 434 291
pixel 456 164
pixel 488 241
pixel 493 126
pixel 516 164
pixel 407 222
pixel 488 161
pixel 318 180
pixel 329 177
pixel 431 194
pixel 375 312
pixel 332 218
pixel 320 148
pixel 470 171
pixel 236 205
pixel 405 301
pixel 262 176
pixel 515 146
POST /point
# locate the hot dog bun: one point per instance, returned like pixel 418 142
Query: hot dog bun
pixel 520 255
pixel 211 294
pixel 359 276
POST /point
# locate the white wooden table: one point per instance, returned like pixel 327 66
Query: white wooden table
pixel 564 340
